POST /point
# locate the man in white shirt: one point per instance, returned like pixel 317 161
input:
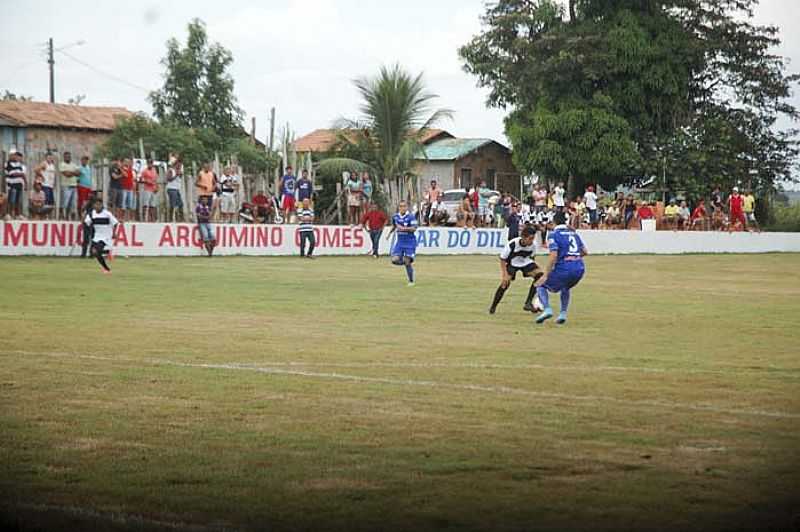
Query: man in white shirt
pixel 558 196
pixel 103 223
pixel 174 189
pixel 518 257
pixel 590 198
pixel 48 171
pixel 229 185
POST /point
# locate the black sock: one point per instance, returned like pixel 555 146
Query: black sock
pixel 531 293
pixel 498 296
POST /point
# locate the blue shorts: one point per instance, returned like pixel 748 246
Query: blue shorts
pixel 564 278
pixel 402 249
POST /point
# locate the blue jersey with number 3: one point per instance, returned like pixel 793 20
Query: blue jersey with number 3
pixel 568 244
pixel 405 220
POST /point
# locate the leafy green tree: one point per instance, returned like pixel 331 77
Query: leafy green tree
pixel 396 111
pixel 670 72
pixel 198 90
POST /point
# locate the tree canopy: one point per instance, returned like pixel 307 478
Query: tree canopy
pixel 607 88
pixel 198 89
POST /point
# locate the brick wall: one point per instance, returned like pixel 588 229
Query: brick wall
pixel 482 161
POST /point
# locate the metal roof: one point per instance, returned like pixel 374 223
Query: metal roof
pixel 453 149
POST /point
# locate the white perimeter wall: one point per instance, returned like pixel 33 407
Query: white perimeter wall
pixel 139 239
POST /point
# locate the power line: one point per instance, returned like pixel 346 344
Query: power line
pixel 104 73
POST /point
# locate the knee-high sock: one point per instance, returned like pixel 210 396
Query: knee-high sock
pixel 531 293
pixel 544 297
pixel 99 251
pixel 498 296
pixel 565 300
pixel 410 272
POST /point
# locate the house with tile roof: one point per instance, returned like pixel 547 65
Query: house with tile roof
pixel 323 140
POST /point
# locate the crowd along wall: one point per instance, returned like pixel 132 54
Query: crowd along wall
pixel 152 239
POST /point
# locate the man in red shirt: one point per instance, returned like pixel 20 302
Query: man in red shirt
pixel 262 207
pixel 128 187
pixel 736 205
pixel 645 212
pixel 699 215
pixel 374 221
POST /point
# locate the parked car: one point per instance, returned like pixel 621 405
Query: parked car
pixel 451 200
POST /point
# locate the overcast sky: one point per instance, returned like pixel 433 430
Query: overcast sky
pixel 298 56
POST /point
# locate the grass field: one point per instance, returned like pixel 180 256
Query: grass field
pixel 280 394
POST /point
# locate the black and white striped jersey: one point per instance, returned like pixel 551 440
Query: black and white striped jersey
pixel 103 223
pixel 517 255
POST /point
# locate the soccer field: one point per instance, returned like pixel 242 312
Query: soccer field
pixel 283 394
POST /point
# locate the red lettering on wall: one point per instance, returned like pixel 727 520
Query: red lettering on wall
pixel 330 237
pixel 238 239
pixel 182 236
pixel 13 239
pixel 166 237
pixel 39 234
pixel 196 240
pixel 358 239
pixel 277 236
pixel 57 234
pixel 134 242
pixel 120 236
pixel 262 237
pixel 347 237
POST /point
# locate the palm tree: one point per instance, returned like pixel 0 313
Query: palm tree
pixel 396 112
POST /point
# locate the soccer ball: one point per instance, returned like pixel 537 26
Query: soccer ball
pixel 537 305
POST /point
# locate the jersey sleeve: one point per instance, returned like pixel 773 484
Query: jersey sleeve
pixel 506 253
pixel 113 219
pixel 88 219
pixel 552 242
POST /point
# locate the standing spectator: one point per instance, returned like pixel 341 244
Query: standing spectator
pixel 306 229
pixel 558 197
pixel 353 188
pixel 287 191
pixel 16 182
pixel 684 215
pixel 671 214
pixel 87 233
pixel 591 206
pixel 128 191
pixel 540 198
pixel 174 187
pixel 374 220
pixel 629 211
pixel 432 196
pixel 305 189
pixel 229 184
pixel 750 210
pixel 38 208
pixel 262 208
pixel 69 185
pixel 203 214
pixel 85 185
pixel 483 204
pixel 736 210
pixel 115 192
pixel 645 212
pixel 716 200
pixel 513 221
pixel 699 215
pixel 149 195
pixel 366 188
pixel 47 169
pixel 205 184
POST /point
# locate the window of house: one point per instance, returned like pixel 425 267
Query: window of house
pixel 466 177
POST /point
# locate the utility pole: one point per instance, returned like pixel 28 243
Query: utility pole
pixel 272 129
pixel 52 63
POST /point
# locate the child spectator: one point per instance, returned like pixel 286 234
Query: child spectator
pixel 38 207
pixel 203 214
pixel 306 229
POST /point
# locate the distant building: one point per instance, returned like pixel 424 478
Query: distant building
pixel 34 128
pixel 323 140
pixel 463 163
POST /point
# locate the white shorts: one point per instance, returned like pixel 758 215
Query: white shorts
pixel 149 199
pixel 228 204
pixel 751 217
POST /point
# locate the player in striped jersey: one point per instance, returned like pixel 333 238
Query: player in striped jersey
pixel 103 223
pixel 306 230
pixel 518 257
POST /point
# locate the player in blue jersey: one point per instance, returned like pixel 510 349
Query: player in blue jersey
pixel 564 270
pixel 405 247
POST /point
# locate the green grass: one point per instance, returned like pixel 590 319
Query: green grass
pixel 281 394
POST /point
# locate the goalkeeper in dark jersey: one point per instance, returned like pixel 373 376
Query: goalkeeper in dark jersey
pixel 518 257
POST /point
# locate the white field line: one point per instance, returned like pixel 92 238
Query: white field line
pixel 766 371
pixel 504 390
